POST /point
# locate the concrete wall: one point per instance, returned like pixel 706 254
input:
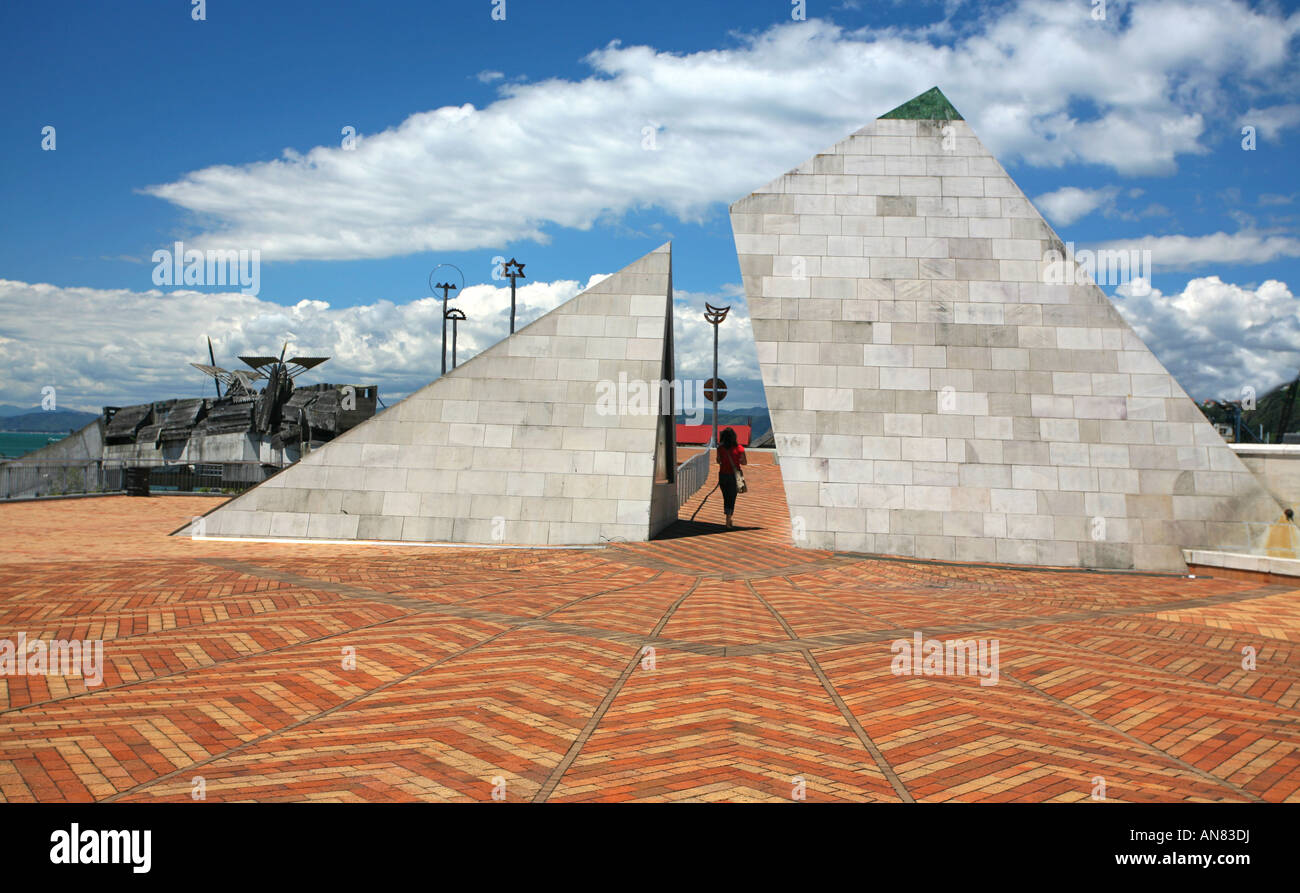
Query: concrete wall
pixel 932 392
pixel 27 476
pixel 514 446
pixel 210 448
pixel 1276 466
pixel 663 506
pixel 86 443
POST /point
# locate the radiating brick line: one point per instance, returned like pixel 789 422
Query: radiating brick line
pixel 300 723
pixel 521 621
pixel 852 720
pixel 150 679
pixel 354 592
pixel 1068 622
pixel 1208 776
pixel 548 787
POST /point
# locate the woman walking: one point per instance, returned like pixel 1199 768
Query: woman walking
pixel 731 480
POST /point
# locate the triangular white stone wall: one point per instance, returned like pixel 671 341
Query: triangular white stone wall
pixel 932 395
pixel 512 447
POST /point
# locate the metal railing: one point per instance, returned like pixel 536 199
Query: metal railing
pixel 71 477
pixel 691 476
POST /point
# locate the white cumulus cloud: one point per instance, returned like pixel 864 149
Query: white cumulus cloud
pixel 114 347
pixel 1179 252
pixel 1070 203
pixel 1216 337
pixel 1271 121
pixel 684 131
pixel 102 347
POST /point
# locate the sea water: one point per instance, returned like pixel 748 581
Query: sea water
pixel 16 444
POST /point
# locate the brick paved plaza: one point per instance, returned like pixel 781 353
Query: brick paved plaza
pixel 771 666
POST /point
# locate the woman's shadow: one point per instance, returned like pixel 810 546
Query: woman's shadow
pixel 684 527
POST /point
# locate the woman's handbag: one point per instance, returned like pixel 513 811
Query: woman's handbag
pixel 740 482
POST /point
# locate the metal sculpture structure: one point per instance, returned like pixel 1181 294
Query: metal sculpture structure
pixel 279 415
pixel 279 387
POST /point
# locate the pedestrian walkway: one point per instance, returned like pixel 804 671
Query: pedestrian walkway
pixel 706 665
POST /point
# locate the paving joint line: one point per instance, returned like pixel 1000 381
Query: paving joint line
pixel 886 769
pixel 347 590
pixel 1133 739
pixel 540 621
pixel 290 578
pixel 1022 568
pixel 218 663
pixel 1209 687
pixel 635 557
pixel 864 637
pixel 229 752
pixel 1061 644
pixel 575 748
pixel 839 641
pixel 230 619
pixel 836 602
pixel 1261 592
pixel 316 716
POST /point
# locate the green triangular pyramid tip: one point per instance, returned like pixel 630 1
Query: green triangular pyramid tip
pixel 931 105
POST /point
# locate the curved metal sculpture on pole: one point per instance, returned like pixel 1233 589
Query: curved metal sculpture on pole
pixel 715 316
pixel 455 316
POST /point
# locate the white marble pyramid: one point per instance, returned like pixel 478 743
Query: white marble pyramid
pixel 934 390
pixel 515 446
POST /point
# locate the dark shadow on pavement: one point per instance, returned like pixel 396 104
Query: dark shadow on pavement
pixel 697 528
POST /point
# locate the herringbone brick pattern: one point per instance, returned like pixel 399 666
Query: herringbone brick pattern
pixel 709 665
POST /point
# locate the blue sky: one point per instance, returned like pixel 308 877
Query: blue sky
pixel 526 137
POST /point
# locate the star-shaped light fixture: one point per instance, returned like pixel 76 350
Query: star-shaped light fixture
pixel 513 270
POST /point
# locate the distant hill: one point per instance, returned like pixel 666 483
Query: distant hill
pixel 1270 411
pixel 60 421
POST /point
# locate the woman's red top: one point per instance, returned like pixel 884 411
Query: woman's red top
pixel 729 459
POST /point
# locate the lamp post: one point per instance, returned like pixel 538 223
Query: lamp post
pixel 715 316
pixel 446 287
pixel 455 316
pixel 513 270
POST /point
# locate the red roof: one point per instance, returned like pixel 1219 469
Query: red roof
pixel 693 434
